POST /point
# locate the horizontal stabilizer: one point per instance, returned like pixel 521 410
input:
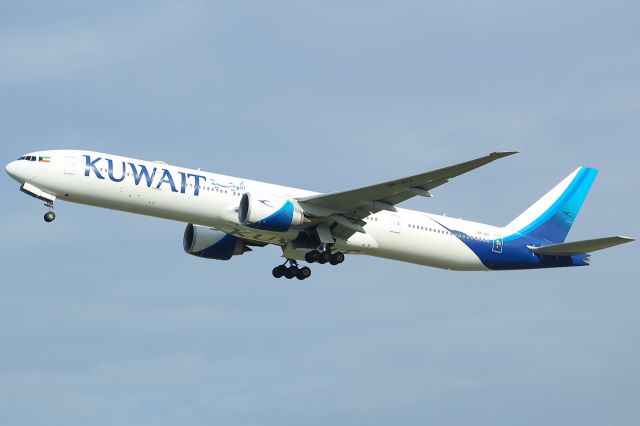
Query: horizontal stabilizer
pixel 580 247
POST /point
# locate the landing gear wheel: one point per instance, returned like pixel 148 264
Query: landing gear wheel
pixel 325 257
pixel 337 258
pixel 49 217
pixel 312 256
pixel 303 273
pixel 278 271
pixel 291 272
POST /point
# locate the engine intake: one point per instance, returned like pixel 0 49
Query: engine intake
pixel 269 213
pixel 211 243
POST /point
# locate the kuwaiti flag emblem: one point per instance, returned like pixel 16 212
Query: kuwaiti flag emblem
pixel 44 159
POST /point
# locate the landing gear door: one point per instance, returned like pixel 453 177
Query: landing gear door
pixel 69 165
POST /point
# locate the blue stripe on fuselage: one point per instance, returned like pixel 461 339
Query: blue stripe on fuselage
pixel 514 254
pixel 552 226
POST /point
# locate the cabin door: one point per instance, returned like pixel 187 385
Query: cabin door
pixel 395 223
pixel 69 165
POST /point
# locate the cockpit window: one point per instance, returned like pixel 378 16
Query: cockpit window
pixel 34 158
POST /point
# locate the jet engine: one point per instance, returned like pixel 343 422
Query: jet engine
pixel 211 243
pixel 269 213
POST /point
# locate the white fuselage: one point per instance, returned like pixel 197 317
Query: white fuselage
pixel 209 199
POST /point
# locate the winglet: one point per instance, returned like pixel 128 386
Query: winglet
pixel 501 154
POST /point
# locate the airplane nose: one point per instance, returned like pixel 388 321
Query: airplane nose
pixel 12 169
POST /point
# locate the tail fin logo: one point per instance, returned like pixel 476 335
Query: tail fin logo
pixel 551 217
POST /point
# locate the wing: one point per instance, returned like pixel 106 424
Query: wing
pixel 344 210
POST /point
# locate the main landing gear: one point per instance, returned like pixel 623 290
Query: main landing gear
pixel 323 257
pixel 291 271
pixel 49 216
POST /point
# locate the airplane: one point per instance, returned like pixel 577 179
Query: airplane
pixel 227 216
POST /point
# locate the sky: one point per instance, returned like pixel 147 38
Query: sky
pixel 104 320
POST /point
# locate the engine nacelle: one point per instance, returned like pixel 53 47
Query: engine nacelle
pixel 269 213
pixel 210 243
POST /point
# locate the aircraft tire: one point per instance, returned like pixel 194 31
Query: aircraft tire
pixel 312 256
pixel 337 258
pixel 278 271
pixel 291 272
pixel 325 257
pixel 304 273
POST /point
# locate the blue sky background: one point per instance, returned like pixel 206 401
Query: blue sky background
pixel 104 319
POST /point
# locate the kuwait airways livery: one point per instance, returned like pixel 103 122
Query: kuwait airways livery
pixel 227 216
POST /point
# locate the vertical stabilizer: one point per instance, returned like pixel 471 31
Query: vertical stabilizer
pixel 550 218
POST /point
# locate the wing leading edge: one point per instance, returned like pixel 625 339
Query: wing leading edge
pixel 341 214
pixel 384 196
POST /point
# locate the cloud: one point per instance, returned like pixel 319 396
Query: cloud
pixel 104 319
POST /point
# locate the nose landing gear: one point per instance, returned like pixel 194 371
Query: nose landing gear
pixel 49 216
